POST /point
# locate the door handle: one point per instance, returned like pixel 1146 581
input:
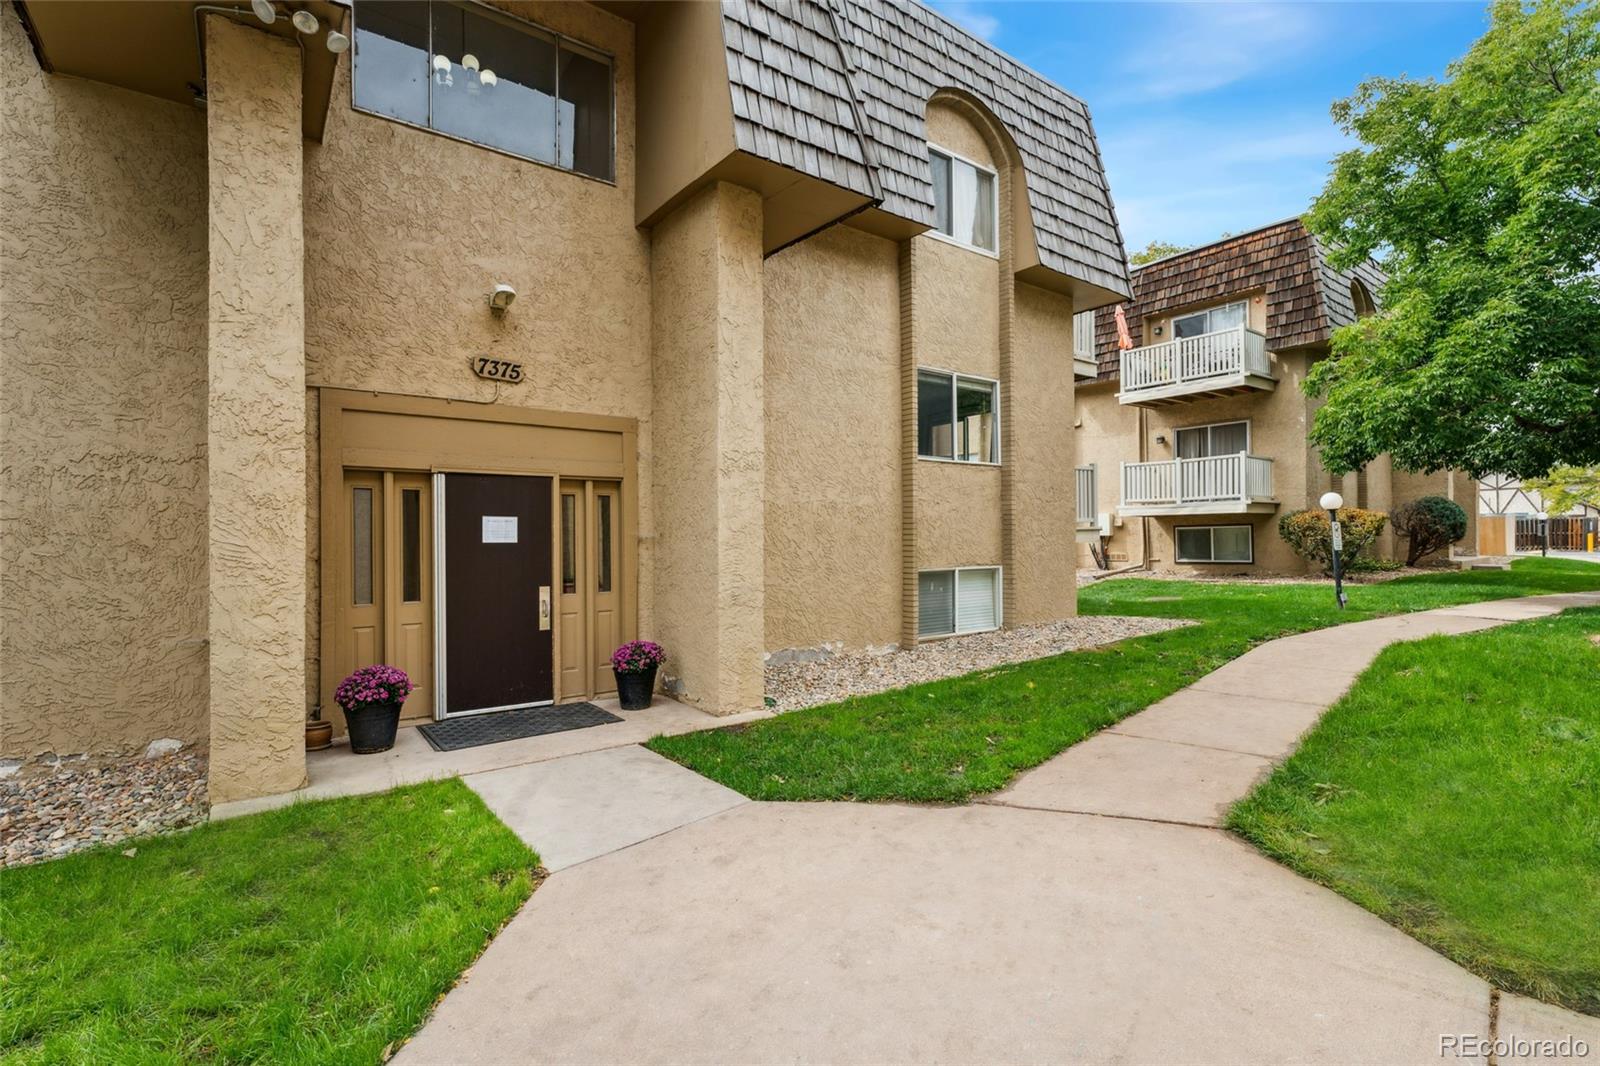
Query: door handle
pixel 544 607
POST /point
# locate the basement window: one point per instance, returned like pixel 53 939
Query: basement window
pixel 1216 544
pixel 958 417
pixel 962 600
pixel 964 204
pixel 477 75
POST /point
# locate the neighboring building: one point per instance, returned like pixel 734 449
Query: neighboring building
pixel 1195 440
pixel 1508 520
pixel 788 362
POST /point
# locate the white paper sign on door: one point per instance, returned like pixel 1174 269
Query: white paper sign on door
pixel 499 529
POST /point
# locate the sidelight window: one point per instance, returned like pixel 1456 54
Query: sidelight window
pixel 569 543
pixel 361 554
pixel 603 549
pixel 476 74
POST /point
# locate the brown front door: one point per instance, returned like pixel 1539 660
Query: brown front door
pixel 498 642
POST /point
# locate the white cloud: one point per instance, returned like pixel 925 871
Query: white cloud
pixel 967 15
pixel 1195 48
pixel 1188 181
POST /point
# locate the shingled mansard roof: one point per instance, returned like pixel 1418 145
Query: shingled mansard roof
pixel 838 89
pixel 1307 299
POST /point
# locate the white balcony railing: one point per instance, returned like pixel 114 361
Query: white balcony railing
pixel 1216 479
pixel 1195 361
pixel 1088 505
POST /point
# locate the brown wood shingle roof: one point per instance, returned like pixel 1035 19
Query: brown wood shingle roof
pixel 838 89
pixel 1307 299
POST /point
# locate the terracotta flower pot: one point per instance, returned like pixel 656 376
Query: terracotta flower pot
pixel 635 689
pixel 373 727
pixel 319 735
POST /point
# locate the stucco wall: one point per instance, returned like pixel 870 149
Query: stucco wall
pixel 256 419
pixel 408 231
pixel 956 327
pixel 706 276
pixel 102 413
pixel 832 397
pixel 1107 435
pixel 1041 460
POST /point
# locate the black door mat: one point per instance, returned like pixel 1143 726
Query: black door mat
pixel 473 730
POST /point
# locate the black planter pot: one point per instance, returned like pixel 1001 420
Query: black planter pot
pixel 372 727
pixel 634 690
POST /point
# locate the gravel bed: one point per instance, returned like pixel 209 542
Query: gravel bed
pixel 51 809
pixel 794 685
pixel 1360 577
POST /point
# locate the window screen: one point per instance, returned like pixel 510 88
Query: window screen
pixel 934 416
pixel 975 409
pixel 936 602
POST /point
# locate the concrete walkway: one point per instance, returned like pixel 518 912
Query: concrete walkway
pixel 1089 913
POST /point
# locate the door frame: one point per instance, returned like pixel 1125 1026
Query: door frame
pixel 384 431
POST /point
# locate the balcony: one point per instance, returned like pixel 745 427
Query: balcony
pixel 1217 484
pixel 1224 363
pixel 1088 517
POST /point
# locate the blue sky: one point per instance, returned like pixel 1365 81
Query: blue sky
pixel 1213 117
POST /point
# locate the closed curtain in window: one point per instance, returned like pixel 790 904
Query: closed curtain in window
pixel 972 205
pixel 975 596
pixel 1230 438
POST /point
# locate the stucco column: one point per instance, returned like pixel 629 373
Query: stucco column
pixel 710 453
pixel 255 407
pixel 1040 460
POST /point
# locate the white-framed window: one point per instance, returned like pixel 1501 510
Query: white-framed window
pixel 965 205
pixel 961 600
pixel 958 417
pixel 475 74
pixel 1216 544
pixel 1211 320
pixel 1218 438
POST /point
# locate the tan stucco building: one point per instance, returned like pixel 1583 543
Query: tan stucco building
pixel 477 339
pixel 1194 442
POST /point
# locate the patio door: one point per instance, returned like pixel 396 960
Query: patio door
pixel 493 567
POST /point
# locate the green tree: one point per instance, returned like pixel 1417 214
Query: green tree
pixel 1478 194
pixel 1155 250
pixel 1566 487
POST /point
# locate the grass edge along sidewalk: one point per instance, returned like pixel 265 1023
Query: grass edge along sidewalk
pixel 1454 791
pixel 323 932
pixel 947 741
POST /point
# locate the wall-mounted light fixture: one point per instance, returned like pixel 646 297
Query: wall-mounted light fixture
pixel 500 299
pixel 1161 438
pixel 304 21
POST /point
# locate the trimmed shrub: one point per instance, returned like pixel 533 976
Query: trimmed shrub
pixel 1430 524
pixel 1311 537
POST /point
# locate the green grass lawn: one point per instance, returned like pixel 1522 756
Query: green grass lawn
pixel 1455 792
pixel 948 740
pixel 319 933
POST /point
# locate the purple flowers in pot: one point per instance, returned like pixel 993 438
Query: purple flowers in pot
pixel 373 686
pixel 637 657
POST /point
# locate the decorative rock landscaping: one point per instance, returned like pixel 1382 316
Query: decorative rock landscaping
pixel 50 808
pixel 793 685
